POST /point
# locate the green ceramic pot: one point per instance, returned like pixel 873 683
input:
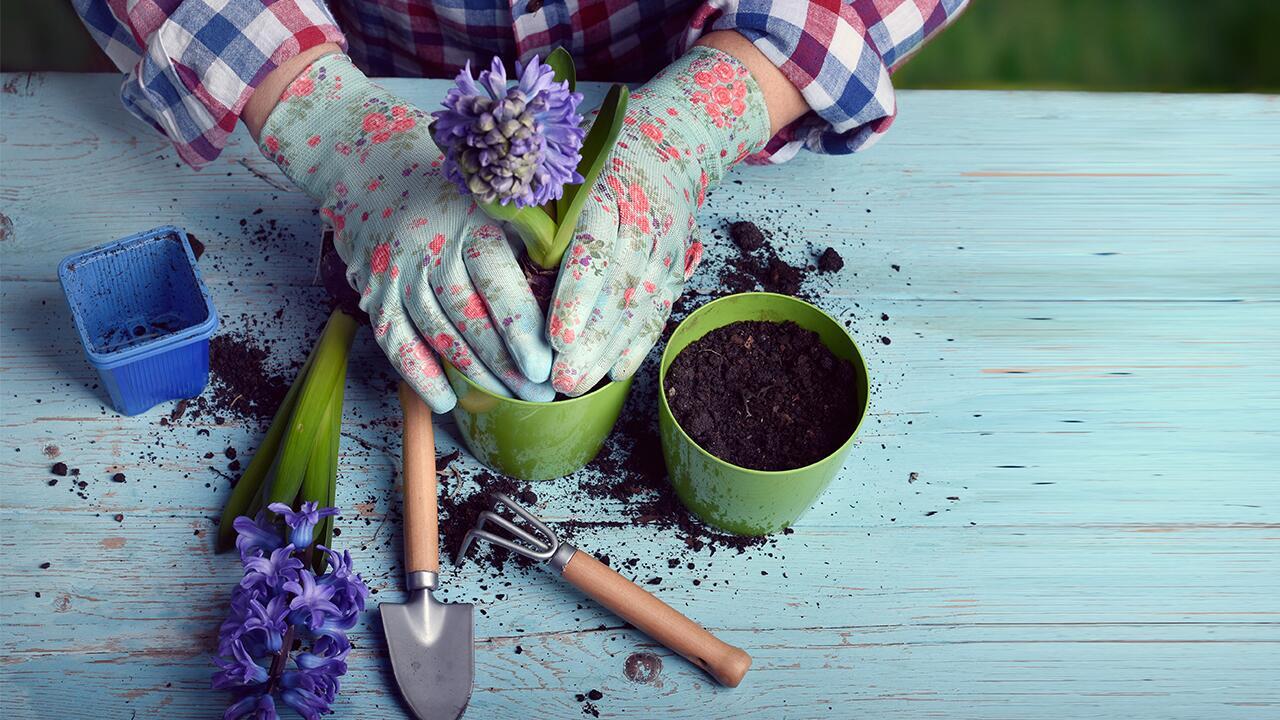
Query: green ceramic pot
pixel 733 498
pixel 535 441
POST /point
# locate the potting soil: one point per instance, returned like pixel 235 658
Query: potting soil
pixel 763 395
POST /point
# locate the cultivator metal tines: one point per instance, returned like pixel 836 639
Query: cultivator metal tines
pixel 538 543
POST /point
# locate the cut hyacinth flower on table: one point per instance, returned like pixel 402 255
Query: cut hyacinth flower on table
pixel 521 150
pixel 280 603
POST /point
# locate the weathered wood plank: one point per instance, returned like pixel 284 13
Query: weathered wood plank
pixel 1085 326
pixel 976 619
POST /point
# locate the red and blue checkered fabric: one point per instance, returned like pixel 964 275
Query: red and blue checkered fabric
pixel 191 65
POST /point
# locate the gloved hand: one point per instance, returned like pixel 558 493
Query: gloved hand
pixel 432 270
pixel 637 240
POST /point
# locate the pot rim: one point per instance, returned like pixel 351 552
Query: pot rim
pixel 475 387
pixel 777 298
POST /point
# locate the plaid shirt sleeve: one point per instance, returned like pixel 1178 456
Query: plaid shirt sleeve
pixel 191 65
pixel 838 53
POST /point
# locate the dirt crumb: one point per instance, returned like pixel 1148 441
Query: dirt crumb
pixel 830 261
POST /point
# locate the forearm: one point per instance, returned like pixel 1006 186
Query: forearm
pixel 784 101
pixel 782 98
pixel 268 92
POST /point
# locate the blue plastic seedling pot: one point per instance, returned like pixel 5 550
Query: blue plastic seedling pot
pixel 144 317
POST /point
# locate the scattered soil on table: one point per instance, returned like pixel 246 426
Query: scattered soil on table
pixel 242 380
pixel 589 700
pixel 459 510
pixel 763 395
pixel 630 471
pixel 746 235
pixel 60 469
pixel 758 265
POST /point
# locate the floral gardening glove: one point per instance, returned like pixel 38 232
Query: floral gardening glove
pixel 637 240
pixel 432 270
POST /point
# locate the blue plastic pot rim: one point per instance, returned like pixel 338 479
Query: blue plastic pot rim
pixel 153 346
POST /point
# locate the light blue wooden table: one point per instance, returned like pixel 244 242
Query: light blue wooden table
pixel 1085 340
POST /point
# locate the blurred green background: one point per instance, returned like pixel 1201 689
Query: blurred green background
pixel 1164 45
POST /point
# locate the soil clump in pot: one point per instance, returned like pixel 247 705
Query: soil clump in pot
pixel 763 395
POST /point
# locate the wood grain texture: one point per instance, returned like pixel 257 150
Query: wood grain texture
pixel 421 510
pixel 661 622
pixel 1063 503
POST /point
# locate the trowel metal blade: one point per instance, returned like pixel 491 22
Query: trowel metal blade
pixel 432 654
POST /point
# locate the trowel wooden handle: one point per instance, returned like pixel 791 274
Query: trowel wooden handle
pixel 421 526
pixel 726 663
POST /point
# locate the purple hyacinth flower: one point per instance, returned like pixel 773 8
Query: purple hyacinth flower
pixel 518 144
pixel 233 626
pixel 349 590
pixel 332 664
pixel 307 703
pixel 311 604
pixel 252 707
pixel 317 674
pixel 241 670
pixel 279 597
pixel 332 645
pixel 254 536
pixel 266 623
pixel 271 571
pixel 336 626
pixel 302 523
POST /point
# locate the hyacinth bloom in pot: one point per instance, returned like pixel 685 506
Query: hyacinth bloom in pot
pixel 521 151
pixel 284 642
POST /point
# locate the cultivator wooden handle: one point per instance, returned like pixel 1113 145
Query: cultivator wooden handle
pixel 421 526
pixel 726 663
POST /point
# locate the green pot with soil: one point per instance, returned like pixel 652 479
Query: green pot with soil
pixel 760 399
pixel 532 440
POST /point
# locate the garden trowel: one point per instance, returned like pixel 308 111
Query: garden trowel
pixel 430 642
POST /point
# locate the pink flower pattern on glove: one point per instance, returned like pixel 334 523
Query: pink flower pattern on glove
pixel 637 241
pixel 428 266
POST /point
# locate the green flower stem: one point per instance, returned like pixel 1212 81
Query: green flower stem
pixel 328 368
pixel 247 489
pixel 536 228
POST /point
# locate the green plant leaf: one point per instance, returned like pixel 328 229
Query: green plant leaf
pixel 323 463
pixel 328 368
pixel 561 63
pixel 320 482
pixel 248 486
pixel 596 149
